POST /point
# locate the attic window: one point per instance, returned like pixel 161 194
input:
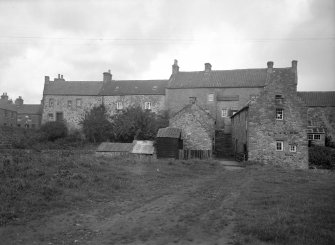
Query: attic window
pixel 154 87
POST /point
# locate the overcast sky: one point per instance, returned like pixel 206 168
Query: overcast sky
pixel 140 39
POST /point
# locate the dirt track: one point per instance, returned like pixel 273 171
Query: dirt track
pixel 185 209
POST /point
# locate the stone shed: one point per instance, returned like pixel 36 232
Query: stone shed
pixel 169 142
pixel 197 127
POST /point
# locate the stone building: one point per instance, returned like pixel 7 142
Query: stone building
pixel 28 115
pixel 69 100
pixel 197 127
pixel 272 127
pixel 8 112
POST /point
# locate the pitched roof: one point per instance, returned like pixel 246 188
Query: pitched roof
pixel 134 87
pixel 115 147
pixel 72 88
pixel 169 133
pixel 143 147
pixel 318 99
pixel 219 79
pixel 7 106
pixel 30 109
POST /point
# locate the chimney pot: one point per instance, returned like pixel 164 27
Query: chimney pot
pixel 208 67
pixel 61 76
pixel 270 64
pixel 46 79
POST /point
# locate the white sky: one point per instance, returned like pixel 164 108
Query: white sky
pixel 140 39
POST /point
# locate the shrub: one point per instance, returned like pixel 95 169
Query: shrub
pixel 54 130
pixel 322 157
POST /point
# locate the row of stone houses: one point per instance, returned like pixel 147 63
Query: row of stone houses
pixel 18 114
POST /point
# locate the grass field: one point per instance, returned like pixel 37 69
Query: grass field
pixel 70 198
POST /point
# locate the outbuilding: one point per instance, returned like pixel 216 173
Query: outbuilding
pixel 114 149
pixel 169 142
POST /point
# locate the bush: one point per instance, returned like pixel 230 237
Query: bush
pixel 322 157
pixel 54 130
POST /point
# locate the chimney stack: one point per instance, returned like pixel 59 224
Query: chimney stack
pixel 59 78
pixel 107 77
pixel 294 64
pixel 208 67
pixel 19 101
pixel 4 96
pixel 270 64
pixel 175 67
pixel 46 79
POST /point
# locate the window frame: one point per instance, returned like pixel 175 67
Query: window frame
pixel 224 112
pixel 210 97
pixel 147 105
pixel 80 104
pixel 69 104
pixel 119 105
pixel 318 138
pixel 51 102
pixel 293 148
pixel 279 116
pixel 281 145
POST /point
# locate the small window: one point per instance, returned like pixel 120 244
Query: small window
pixel 317 136
pixel 310 137
pixel 192 100
pixel 50 116
pixel 51 102
pixel 79 103
pixel 279 114
pixel 210 97
pixel 147 105
pixel 293 148
pixel 224 113
pixel 119 105
pixel 279 145
pixel 69 104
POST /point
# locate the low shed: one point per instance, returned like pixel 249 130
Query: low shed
pixel 114 149
pixel 143 149
pixel 169 142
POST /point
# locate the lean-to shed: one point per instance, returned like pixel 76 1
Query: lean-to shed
pixel 114 149
pixel 169 142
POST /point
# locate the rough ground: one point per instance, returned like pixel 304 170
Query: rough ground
pixel 162 205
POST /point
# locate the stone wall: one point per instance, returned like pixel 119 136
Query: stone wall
pixel 323 117
pixel 197 127
pixel 8 117
pixel 157 102
pixel 176 99
pixel 264 130
pixel 239 131
pixel 72 114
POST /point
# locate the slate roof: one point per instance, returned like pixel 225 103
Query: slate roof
pixel 318 99
pixel 134 87
pixel 169 133
pixel 115 147
pixel 30 109
pixel 143 147
pixel 5 105
pixel 72 88
pixel 219 79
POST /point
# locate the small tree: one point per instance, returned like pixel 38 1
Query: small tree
pixel 54 130
pixel 134 123
pixel 96 124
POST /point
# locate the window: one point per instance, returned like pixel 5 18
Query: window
pixel 279 145
pixel 224 113
pixel 293 148
pixel 310 137
pixel 317 136
pixel 59 116
pixel 50 116
pixel 119 105
pixel 69 104
pixel 6 113
pixel 210 97
pixel 51 102
pixel 79 103
pixel 279 114
pixel 192 100
pixel 147 105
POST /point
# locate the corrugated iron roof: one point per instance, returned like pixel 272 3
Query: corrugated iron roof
pixel 134 87
pixel 219 79
pixel 115 147
pixel 169 133
pixel 143 147
pixel 318 99
pixel 72 88
pixel 30 109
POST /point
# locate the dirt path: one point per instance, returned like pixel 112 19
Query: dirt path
pixel 193 211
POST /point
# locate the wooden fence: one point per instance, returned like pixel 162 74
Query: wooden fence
pixel 195 154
